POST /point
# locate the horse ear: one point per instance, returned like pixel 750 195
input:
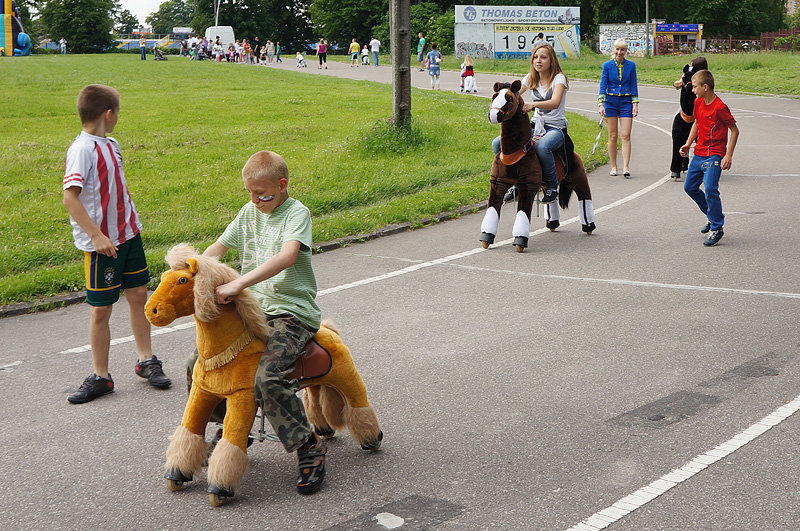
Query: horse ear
pixel 497 86
pixel 191 265
pixel 516 85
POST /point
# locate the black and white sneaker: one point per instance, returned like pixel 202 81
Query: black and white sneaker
pixel 713 237
pixel 549 197
pixel 152 370
pixel 706 228
pixel 511 195
pixel 92 387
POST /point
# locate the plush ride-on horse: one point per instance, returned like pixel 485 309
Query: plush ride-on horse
pixel 516 163
pixel 231 339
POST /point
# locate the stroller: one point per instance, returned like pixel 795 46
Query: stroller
pixel 159 55
pixel 301 63
pixel 364 58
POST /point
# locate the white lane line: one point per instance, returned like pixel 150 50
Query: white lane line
pixel 637 283
pixel 635 500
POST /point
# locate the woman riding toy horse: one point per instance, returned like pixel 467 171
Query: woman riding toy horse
pixel 231 339
pixel 516 163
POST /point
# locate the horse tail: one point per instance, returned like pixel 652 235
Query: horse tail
pixel 328 324
pixel 564 193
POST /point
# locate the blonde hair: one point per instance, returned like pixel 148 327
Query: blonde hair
pixel 94 100
pixel 619 43
pixel 266 166
pixel 704 77
pixel 555 68
pixel 468 60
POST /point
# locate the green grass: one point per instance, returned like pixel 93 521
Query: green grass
pixel 187 128
pixel 777 72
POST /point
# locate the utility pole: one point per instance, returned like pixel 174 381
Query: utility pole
pixel 647 24
pixel 400 28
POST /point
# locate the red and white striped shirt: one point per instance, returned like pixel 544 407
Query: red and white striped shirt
pixel 94 164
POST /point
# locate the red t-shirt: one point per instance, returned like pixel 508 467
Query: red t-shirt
pixel 713 121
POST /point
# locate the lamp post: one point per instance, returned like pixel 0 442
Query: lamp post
pixel 216 13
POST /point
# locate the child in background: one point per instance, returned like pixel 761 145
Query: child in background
pixel 468 75
pixel 712 122
pixel 365 55
pixel 434 58
pixel 301 63
pixel 106 226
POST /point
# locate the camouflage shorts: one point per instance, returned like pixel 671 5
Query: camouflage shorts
pixel 276 396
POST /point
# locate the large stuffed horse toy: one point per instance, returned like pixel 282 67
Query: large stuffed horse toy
pixel 516 163
pixel 231 339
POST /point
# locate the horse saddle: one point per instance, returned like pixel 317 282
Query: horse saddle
pixel 313 362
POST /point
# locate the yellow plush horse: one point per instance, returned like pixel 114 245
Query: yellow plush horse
pixel 231 339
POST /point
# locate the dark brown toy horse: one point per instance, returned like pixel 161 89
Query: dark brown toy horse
pixel 517 164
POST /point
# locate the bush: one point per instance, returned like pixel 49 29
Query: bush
pixel 792 42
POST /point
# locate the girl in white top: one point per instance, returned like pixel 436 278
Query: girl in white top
pixel 548 86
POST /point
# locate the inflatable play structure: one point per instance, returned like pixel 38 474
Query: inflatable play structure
pixel 13 40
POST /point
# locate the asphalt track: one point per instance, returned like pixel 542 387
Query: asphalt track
pixel 632 378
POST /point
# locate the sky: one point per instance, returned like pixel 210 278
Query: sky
pixel 141 8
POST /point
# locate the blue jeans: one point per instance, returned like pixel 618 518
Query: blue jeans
pixel 144 53
pixel 706 170
pixel 375 58
pixel 551 141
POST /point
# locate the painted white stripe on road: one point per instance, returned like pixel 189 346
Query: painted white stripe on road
pixel 631 502
pixel 638 283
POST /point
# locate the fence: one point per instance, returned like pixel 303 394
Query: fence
pixel 768 38
pixel 708 45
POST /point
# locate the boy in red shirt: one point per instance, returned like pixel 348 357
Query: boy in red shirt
pixel 713 119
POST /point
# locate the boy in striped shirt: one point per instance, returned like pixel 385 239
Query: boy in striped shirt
pixel 272 233
pixel 105 226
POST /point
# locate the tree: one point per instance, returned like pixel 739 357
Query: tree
pixel 125 22
pixel 342 20
pixel 86 24
pixel 170 14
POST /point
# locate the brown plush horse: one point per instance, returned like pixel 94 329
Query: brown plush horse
pixel 516 163
pixel 231 339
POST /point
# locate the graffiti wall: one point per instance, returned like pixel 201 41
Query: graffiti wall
pixel 635 34
pixel 509 32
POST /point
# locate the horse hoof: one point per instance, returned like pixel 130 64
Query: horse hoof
pixel 175 475
pixel 553 225
pixel 325 433
pixel 486 239
pixel 588 229
pixel 520 242
pixel 485 245
pixel 373 446
pixel 520 248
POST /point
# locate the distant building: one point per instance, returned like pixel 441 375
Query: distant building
pixel 792 6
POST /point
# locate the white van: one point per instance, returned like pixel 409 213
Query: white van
pixel 225 34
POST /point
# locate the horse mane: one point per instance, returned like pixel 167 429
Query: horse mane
pixel 210 274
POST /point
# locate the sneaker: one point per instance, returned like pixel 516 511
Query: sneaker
pixel 92 387
pixel 706 228
pixel 713 237
pixel 511 195
pixel 151 369
pixel 549 197
pixel 311 461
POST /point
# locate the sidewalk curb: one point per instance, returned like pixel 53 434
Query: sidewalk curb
pixel 69 299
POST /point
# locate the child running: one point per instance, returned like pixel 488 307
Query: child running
pixel 272 234
pixel 712 122
pixel 106 227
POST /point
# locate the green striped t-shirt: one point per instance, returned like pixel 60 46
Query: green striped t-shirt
pixel 258 237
